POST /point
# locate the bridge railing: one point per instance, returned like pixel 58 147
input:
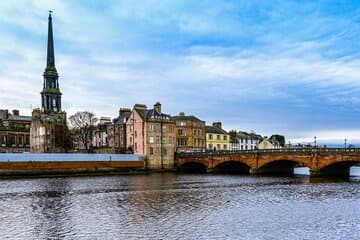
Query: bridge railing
pixel 274 151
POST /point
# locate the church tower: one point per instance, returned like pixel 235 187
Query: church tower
pixel 50 95
pixel 48 131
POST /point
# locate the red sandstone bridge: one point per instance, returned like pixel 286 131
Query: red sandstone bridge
pixel 320 161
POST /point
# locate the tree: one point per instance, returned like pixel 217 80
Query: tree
pixel 279 138
pixel 83 124
pixel 233 136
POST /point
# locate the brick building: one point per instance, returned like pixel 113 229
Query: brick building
pixel 152 133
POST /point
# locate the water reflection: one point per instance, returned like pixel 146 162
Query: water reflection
pixel 50 209
pixel 179 206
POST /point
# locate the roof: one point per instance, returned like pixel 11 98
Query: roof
pixel 211 129
pixel 19 118
pixel 184 118
pixel 246 135
pixel 146 114
pixel 121 119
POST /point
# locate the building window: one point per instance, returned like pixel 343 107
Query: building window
pixel 164 151
pixel 164 128
pixel 182 124
pixel 182 142
pixel 218 146
pixel 218 137
pixel 225 137
pixel 182 132
pixel 210 136
pixel 151 139
pixel 151 127
pixel 135 133
pixel 151 151
pixel 225 146
pixel 163 140
pixel 135 147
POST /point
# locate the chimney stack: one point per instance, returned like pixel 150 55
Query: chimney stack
pixel 123 110
pixel 157 107
pixel 15 112
pixel 217 125
pixel 181 114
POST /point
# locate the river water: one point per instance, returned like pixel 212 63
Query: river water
pixel 180 206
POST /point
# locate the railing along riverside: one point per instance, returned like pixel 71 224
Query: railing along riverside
pixel 348 151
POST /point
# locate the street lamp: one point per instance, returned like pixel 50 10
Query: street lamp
pixel 345 143
pixel 315 141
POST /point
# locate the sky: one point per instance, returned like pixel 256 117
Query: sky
pixel 287 67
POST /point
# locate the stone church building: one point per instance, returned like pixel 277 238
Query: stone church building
pixel 48 131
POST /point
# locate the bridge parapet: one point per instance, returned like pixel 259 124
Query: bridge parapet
pixel 304 151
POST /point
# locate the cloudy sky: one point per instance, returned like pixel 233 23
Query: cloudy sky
pixel 289 67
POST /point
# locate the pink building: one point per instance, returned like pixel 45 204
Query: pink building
pixel 152 133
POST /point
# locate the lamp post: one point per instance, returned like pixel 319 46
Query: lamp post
pixel 345 143
pixel 314 141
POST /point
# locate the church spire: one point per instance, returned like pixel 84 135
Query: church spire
pixel 50 60
pixel 50 95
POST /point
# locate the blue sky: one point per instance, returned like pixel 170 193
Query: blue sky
pixel 289 67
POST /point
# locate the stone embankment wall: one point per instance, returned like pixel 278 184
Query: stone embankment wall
pixel 63 164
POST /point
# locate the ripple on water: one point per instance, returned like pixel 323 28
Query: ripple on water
pixel 172 206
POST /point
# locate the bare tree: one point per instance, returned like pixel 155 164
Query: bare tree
pixel 83 124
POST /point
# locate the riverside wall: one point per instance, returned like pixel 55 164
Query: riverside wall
pixel 65 164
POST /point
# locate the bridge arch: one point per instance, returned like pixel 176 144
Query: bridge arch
pixel 279 166
pixel 337 169
pixel 232 167
pixel 192 166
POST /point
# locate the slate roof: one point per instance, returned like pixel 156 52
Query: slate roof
pixel 211 129
pixel 121 119
pixel 185 118
pixel 245 135
pixel 19 118
pixel 147 114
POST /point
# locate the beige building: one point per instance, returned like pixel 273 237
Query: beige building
pixel 217 138
pixel 14 131
pixel 268 143
pixel 190 133
pixel 152 133
pixel 48 132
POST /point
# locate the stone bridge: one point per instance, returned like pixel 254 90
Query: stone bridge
pixel 320 161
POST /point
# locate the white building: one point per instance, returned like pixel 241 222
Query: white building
pixel 245 141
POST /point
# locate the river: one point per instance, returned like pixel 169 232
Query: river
pixel 180 206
